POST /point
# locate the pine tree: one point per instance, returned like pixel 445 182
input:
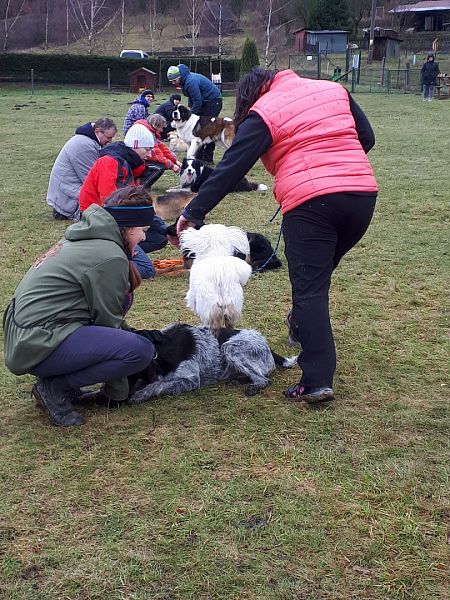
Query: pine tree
pixel 249 58
pixel 329 14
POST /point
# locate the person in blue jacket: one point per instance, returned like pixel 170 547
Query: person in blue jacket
pixel 205 99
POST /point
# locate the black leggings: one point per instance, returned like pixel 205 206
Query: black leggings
pixel 317 234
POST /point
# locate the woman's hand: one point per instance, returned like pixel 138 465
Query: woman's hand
pixel 183 224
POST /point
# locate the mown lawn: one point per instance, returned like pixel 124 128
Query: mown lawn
pixel 213 495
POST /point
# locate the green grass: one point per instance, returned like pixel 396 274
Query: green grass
pixel 213 495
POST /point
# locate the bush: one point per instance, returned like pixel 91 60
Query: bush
pixel 250 56
pixel 92 70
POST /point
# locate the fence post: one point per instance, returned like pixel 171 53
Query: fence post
pixel 353 79
pixel 109 79
pixel 383 67
pixel 407 77
pixel 318 65
pixel 32 81
pixel 388 82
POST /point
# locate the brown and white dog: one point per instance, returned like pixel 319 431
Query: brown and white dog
pixel 198 131
pixel 170 206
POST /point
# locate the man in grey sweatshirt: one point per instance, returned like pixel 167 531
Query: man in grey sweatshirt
pixel 72 165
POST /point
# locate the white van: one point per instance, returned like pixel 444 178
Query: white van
pixel 133 54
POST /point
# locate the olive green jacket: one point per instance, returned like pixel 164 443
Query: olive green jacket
pixel 81 280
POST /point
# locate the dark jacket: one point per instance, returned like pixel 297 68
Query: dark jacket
pixel 116 167
pixel 429 72
pixel 198 88
pixel 166 109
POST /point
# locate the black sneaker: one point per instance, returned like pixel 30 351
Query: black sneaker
pixel 311 395
pixel 59 217
pixel 293 329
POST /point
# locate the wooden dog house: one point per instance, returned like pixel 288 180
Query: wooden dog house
pixel 142 78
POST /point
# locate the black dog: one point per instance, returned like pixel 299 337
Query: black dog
pixel 194 173
pixel 262 255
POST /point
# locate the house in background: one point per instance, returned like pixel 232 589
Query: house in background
pixel 386 43
pixel 428 15
pixel 326 40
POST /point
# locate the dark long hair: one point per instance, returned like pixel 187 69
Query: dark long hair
pixel 130 196
pixel 250 87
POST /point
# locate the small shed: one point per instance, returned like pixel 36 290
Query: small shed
pixel 326 40
pixel 142 78
pixel 426 15
pixel 386 43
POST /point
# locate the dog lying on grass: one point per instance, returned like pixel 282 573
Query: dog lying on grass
pixel 189 357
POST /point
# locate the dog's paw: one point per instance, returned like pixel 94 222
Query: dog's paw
pixel 253 389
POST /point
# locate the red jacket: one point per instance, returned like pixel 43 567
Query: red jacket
pixel 117 167
pixel 160 152
pixel 319 153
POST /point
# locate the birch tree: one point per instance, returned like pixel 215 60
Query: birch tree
pixel 194 11
pixel 93 17
pixel 273 21
pixel 9 19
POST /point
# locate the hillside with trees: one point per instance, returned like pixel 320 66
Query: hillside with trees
pixel 217 27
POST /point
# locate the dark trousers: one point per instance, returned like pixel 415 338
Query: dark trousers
pixel 95 354
pixel 153 171
pixel 317 234
pixel 209 109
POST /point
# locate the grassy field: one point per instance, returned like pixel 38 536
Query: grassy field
pixel 213 495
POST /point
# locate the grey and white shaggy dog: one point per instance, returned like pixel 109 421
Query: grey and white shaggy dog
pixel 189 357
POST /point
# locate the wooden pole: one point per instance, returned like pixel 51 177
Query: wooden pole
pixel 373 11
pixel 32 81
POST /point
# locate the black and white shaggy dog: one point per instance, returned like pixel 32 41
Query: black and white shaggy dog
pixel 194 173
pixel 189 357
pixel 198 131
pixel 262 256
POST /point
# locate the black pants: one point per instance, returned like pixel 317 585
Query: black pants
pixel 209 109
pixel 153 171
pixel 317 234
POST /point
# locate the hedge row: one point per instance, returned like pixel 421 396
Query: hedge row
pixel 69 68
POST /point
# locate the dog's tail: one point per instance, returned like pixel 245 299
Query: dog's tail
pixel 283 362
pixel 222 316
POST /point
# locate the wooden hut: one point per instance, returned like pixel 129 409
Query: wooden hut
pixel 326 40
pixel 142 78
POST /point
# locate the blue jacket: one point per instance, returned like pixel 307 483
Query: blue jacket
pixel 198 88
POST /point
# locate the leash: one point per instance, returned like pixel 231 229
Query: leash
pixel 277 244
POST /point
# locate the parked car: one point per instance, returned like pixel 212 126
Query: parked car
pixel 133 54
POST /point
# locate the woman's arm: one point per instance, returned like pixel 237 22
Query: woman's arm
pixel 252 139
pixel 364 129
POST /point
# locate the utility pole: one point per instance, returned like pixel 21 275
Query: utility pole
pixel 373 11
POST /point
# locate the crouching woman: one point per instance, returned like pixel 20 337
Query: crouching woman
pixel 65 322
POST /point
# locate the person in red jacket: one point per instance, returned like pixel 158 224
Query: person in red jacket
pixel 160 158
pixel 119 164
pixel 313 137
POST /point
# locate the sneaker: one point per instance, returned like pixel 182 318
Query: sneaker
pixel 311 395
pixel 293 329
pixel 59 217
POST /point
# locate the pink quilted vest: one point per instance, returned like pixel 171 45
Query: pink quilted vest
pixel 315 149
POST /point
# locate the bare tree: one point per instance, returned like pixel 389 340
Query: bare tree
pixel 67 25
pixel 272 24
pixel 46 26
pixel 152 24
pixel 357 9
pixel 194 11
pixel 10 20
pixel 93 18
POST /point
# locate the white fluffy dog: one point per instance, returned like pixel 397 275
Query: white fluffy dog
pixel 216 277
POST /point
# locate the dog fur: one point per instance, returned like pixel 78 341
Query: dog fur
pixel 188 358
pixel 170 206
pixel 176 144
pixel 217 276
pixel 194 173
pixel 198 131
